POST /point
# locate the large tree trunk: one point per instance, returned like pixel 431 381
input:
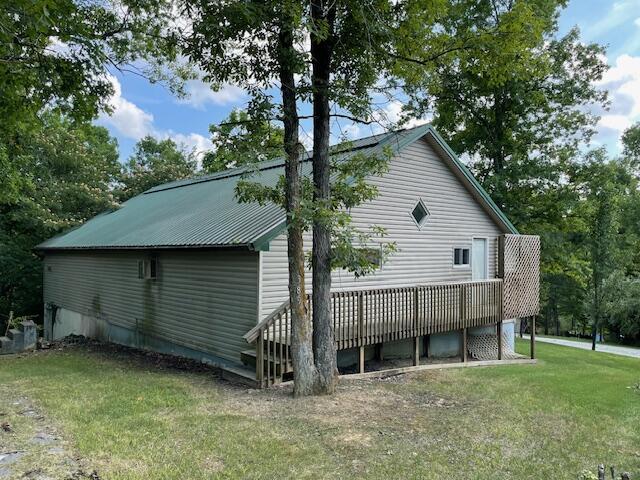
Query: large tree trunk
pixel 305 373
pixel 323 339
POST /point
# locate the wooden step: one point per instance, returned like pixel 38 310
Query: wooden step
pixel 242 375
pixel 249 358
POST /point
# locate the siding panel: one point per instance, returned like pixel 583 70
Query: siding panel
pixel 425 255
pixel 205 300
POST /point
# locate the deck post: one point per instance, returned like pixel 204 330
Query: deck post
pixel 464 344
pixel 533 337
pixel 416 351
pixel 425 342
pixel 361 359
pixel 360 317
pixel 260 359
pixel 499 330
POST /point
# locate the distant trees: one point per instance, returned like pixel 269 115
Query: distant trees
pixel 515 98
pixel 56 55
pixel 67 170
pixel 152 163
pixel 240 140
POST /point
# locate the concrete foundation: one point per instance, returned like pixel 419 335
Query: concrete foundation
pixel 66 322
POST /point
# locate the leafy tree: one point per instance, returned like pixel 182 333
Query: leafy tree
pixel 57 54
pixel 621 305
pixel 152 163
pixel 239 140
pixel 261 44
pixel 631 143
pixel 253 44
pixel 511 96
pixel 347 40
pixel 68 169
pixel 603 184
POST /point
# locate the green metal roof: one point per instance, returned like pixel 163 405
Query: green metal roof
pixel 204 212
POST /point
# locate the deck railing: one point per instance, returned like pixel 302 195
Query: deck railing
pixel 369 317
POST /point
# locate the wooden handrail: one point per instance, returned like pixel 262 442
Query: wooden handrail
pixel 252 334
pixel 373 316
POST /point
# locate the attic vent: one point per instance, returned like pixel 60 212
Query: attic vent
pixel 420 213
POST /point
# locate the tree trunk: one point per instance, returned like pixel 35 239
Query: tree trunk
pixel 596 313
pixel 305 373
pixel 323 339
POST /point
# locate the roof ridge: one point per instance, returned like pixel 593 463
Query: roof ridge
pixel 275 163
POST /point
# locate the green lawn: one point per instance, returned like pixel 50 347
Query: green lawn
pixel 131 419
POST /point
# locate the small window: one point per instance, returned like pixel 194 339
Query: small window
pixel 148 269
pixel 461 256
pixel 420 213
pixel 373 255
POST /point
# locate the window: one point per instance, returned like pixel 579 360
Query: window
pixel 461 257
pixel 420 213
pixel 373 255
pixel 148 269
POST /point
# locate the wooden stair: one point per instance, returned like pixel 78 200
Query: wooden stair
pixel 242 375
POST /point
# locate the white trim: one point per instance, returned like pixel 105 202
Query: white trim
pixel 426 217
pixel 462 266
pixel 259 313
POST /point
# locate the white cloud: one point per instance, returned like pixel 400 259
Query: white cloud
pixel 618 123
pixel 623 82
pixel 132 122
pixel 192 141
pixel 200 94
pixel 637 22
pixel 127 118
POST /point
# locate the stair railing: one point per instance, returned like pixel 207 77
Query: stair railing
pixel 273 339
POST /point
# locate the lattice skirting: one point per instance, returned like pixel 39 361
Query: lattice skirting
pixel 485 347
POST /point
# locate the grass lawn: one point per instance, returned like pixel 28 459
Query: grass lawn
pixel 130 419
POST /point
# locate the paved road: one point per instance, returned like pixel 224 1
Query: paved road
pixel 616 350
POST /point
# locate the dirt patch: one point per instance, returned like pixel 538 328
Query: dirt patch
pixel 133 356
pixel 357 406
pixel 32 447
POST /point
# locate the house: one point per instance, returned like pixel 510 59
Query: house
pixel 185 268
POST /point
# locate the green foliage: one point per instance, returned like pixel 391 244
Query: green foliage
pixel 237 42
pixel 239 140
pixel 631 143
pixel 511 96
pixel 66 170
pixel 349 188
pixel 621 308
pixel 57 54
pixel 152 163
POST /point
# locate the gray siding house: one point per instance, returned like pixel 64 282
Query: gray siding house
pixel 185 268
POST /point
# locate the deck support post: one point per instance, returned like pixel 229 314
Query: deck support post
pixel 260 360
pixel 499 331
pixel 464 344
pixel 425 343
pixel 361 359
pixel 416 351
pixel 533 337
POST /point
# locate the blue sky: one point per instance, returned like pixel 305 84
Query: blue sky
pixel 141 108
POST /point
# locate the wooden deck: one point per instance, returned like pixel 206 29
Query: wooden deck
pixel 370 317
pixel 376 316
